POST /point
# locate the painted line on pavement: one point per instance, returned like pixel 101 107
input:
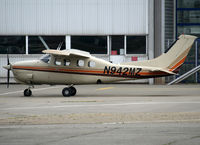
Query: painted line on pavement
pixel 153 121
pixel 39 89
pixel 97 105
pixel 107 88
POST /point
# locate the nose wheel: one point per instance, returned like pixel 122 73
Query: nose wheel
pixel 27 92
pixel 69 91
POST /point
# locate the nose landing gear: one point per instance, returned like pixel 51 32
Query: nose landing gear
pixel 69 91
pixel 28 92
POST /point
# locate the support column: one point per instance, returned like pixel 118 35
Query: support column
pixel 26 39
pixel 150 37
pixel 68 42
pixel 159 26
pixel 125 45
pixel 109 46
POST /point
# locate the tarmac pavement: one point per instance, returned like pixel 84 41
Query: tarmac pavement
pixel 101 114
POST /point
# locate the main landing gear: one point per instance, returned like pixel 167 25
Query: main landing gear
pixel 69 91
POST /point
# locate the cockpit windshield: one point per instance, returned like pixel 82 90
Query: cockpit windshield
pixel 45 58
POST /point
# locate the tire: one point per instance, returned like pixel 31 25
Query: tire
pixel 66 92
pixel 72 91
pixel 27 92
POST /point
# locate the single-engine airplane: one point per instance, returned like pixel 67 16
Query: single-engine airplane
pixel 73 67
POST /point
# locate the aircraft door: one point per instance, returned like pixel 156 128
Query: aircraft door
pixel 56 64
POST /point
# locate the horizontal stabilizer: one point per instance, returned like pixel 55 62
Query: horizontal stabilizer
pixel 162 70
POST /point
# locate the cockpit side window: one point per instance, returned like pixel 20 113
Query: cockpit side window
pixel 45 58
pixel 66 62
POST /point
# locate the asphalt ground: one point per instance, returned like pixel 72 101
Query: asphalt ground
pixel 101 114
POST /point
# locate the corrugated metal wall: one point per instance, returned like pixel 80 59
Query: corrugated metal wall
pixel 73 17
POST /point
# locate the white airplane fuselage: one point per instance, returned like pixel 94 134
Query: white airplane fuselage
pixel 39 72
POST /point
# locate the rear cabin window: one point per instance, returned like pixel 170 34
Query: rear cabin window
pixel 91 64
pixel 57 62
pixel 80 63
pixel 66 62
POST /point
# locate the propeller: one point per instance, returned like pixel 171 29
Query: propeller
pixel 8 67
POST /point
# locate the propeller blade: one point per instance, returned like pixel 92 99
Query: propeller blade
pixel 8 61
pixel 8 78
pixel 8 73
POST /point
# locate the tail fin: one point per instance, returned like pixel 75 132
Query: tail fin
pixel 174 58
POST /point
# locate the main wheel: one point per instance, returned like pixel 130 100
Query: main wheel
pixel 27 92
pixel 72 91
pixel 66 92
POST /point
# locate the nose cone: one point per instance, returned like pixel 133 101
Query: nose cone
pixel 8 67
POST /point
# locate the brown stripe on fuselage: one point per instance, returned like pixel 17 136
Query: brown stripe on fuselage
pixel 91 72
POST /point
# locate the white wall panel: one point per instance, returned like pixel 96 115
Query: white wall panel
pixel 3 16
pixel 73 17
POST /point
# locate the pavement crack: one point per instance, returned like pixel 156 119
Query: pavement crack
pixel 195 137
pixel 170 143
pixel 79 135
pixel 91 133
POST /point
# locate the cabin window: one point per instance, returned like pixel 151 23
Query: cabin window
pixel 57 62
pixel 80 63
pixel 91 64
pixel 66 62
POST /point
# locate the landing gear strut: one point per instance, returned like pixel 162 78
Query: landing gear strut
pixel 69 91
pixel 28 92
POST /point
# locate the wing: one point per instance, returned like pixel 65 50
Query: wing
pixel 69 52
